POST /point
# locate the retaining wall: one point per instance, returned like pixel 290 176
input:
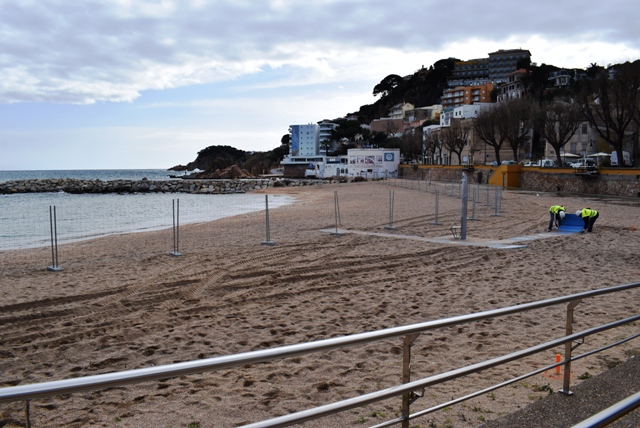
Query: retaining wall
pixel 609 181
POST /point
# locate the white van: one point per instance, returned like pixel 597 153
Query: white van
pixel 546 163
pixel 626 157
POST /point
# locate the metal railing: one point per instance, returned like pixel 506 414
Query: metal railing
pixel 612 413
pixel 406 390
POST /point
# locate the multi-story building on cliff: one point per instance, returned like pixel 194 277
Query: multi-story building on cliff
pixel 503 62
pixel 461 95
pixel 493 69
pixel 512 88
pixel 470 72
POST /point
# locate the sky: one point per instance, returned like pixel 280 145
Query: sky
pixel 128 84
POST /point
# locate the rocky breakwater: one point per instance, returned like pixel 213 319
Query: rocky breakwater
pixel 147 186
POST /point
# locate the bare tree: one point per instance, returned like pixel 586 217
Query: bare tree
pixel 558 122
pixel 393 126
pixel 455 138
pixel 488 130
pixel 411 143
pixel 610 104
pixel 515 119
pixel 429 144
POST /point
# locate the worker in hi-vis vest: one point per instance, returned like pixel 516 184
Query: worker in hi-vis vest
pixel 556 214
pixel 589 217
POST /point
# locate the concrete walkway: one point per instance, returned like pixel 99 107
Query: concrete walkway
pixel 503 244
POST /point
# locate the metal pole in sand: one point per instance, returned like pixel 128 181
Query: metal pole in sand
pixel 496 214
pixel 268 241
pixel 337 213
pixel 176 228
pixel 391 199
pixel 53 222
pixel 437 193
pixel 488 204
pixel 465 197
pixel 473 205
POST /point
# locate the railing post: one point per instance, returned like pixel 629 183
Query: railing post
pixel 406 376
pixel 27 412
pixel 568 348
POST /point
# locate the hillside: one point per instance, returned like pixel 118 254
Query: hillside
pixel 423 88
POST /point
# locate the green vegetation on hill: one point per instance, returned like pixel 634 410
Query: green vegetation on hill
pixel 423 88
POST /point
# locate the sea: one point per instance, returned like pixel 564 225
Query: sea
pixel 30 220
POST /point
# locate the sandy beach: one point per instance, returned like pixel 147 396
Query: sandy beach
pixel 123 302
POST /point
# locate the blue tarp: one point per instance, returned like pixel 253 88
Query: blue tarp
pixel 571 223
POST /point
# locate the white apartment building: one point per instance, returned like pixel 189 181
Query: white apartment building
pixel 463 112
pixel 324 134
pixel 304 140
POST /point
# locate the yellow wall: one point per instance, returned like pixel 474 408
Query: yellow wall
pixel 506 175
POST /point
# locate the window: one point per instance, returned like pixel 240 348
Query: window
pixel 584 128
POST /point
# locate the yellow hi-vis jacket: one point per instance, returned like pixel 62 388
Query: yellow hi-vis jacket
pixel 556 209
pixel 586 212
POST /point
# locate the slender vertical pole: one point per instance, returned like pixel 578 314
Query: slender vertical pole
pixel 473 205
pixel 268 227
pixel 173 220
pixel 488 204
pixel 53 257
pixel 391 201
pixel 27 412
pixel 336 213
pixel 55 226
pixel 176 227
pixel 495 203
pixel 407 342
pixel 437 193
pixel 567 348
pixel 465 197
pixel 54 240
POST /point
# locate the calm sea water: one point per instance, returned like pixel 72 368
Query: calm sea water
pixel 90 174
pixel 26 219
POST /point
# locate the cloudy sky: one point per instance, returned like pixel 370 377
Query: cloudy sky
pixel 109 84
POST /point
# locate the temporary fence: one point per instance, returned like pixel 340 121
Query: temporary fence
pixel 59 224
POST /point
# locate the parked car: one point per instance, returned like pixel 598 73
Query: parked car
pixel 546 163
pixel 626 158
pixel 508 162
pixel 584 163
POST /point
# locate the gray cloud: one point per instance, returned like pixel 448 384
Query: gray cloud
pixel 82 52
